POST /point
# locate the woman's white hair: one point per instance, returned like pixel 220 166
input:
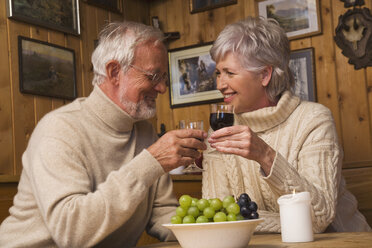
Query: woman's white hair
pixel 118 41
pixel 258 43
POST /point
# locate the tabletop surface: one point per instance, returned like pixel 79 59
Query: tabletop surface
pixel 323 240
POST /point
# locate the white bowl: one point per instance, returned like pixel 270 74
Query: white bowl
pixel 229 234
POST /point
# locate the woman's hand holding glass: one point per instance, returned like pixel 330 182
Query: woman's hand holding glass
pixel 241 140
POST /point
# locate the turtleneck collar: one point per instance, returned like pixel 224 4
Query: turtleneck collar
pixel 266 118
pixel 107 111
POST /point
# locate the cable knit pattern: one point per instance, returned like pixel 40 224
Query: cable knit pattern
pixel 308 158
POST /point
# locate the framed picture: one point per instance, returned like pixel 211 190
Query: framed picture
pixel 192 76
pixel 61 15
pixel 301 64
pixel 110 5
pixel 202 5
pixel 46 69
pixel 299 18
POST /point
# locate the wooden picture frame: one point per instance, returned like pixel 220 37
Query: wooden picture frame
pixel 192 76
pixel 46 69
pixel 299 18
pixel 48 15
pixel 203 5
pixel 302 66
pixel 110 5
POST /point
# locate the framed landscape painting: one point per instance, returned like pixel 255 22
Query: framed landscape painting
pixel 61 15
pixel 301 64
pixel 192 76
pixel 299 18
pixel 46 69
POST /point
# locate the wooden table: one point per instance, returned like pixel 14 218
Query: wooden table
pixel 324 240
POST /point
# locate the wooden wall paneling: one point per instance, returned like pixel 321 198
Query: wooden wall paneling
pixel 73 42
pixel 23 104
pixel 172 20
pixel 214 23
pixel 325 65
pixel 43 104
pixel 7 192
pixel 193 26
pixel 369 81
pixel 355 121
pixel 359 182
pixel 136 10
pixel 88 34
pixel 57 38
pixel 6 129
pixel 234 12
pixel 300 44
pixel 102 18
pixel 250 8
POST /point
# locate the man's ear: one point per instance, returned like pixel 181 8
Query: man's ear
pixel 266 75
pixel 112 71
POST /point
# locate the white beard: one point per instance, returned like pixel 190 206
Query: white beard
pixel 141 110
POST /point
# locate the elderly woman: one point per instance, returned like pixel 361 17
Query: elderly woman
pixel 278 143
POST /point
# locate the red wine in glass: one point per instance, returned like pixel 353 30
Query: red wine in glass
pixel 221 116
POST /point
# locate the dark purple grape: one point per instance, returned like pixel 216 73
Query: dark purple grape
pixel 243 202
pixel 245 196
pixel 254 215
pixel 252 206
pixel 245 212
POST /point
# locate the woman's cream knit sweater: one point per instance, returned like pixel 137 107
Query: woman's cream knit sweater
pixel 308 158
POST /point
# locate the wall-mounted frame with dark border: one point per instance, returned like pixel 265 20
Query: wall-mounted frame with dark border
pixel 302 66
pixel 192 76
pixel 203 5
pixel 298 18
pixel 110 5
pixel 60 15
pixel 46 69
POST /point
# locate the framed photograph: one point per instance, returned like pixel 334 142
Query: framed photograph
pixel 301 64
pixel 299 18
pixel 203 5
pixel 61 15
pixel 110 5
pixel 46 69
pixel 192 76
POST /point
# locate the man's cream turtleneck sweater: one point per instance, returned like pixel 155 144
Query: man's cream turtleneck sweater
pixel 308 158
pixel 88 180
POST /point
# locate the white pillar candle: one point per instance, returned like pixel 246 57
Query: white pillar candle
pixel 295 217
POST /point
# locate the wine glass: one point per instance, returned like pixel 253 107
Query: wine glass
pixel 222 115
pixel 192 168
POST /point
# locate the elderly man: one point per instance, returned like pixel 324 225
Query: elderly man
pixel 94 173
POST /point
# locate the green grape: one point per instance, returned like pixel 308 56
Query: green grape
pixel 180 211
pixel 176 219
pixel 219 217
pixel 185 201
pixel 216 204
pixel 194 201
pixel 208 212
pixel 188 219
pixel 227 200
pixel 202 204
pixel 231 217
pixel 202 219
pixel 233 208
pixel 239 217
pixel 194 211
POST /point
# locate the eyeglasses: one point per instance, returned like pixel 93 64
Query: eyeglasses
pixel 155 78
